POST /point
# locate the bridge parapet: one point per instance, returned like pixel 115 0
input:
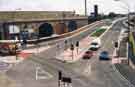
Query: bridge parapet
pixel 16 16
pixel 78 31
pixel 31 22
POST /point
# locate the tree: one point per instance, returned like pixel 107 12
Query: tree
pixel 112 14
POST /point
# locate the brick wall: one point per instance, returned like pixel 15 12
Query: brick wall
pixel 19 15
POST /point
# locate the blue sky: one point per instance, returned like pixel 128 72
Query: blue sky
pixel 105 6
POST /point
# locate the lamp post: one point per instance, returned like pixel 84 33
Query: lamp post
pixel 85 7
pixel 128 16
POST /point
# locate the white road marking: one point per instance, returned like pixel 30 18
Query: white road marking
pixel 43 73
pixel 88 69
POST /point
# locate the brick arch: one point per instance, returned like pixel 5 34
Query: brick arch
pixel 60 28
pixel 45 30
pixel 72 25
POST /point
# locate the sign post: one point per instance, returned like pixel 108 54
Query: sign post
pixel 116 47
pixel 65 44
pixel 72 49
pixel 59 78
pixel 77 45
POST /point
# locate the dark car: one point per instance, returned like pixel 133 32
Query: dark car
pixel 8 49
pixel 88 54
pixel 4 49
pixel 104 55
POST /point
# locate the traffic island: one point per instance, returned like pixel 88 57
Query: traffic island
pixel 98 32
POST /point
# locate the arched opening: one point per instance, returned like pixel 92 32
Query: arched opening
pixel 60 28
pixel 5 31
pixel 72 25
pixel 14 31
pixel 45 30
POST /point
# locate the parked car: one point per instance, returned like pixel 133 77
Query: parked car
pixel 104 55
pixel 95 44
pixel 4 49
pixel 8 49
pixel 88 54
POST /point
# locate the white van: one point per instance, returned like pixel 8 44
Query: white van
pixel 95 44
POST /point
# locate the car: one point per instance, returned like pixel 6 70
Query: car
pixel 88 54
pixel 8 49
pixel 104 55
pixel 95 44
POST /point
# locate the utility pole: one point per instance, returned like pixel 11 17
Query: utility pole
pixel 72 49
pixel 77 45
pixel 128 36
pixel 59 78
pixel 85 7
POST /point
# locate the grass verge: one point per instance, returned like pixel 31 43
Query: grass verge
pixel 98 32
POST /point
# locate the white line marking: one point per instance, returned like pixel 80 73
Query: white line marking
pixel 40 71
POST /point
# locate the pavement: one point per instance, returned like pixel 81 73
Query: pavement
pixel 22 55
pixel 126 71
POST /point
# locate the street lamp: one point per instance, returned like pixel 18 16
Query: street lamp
pixel 128 15
pixel 85 7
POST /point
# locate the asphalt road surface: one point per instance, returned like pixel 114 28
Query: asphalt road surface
pixel 84 73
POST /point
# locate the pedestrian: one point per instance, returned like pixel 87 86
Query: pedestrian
pixel 24 43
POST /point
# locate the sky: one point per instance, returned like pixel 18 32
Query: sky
pixel 105 6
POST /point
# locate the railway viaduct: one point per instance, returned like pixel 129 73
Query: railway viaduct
pixel 45 23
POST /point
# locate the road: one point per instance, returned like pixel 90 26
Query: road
pixel 101 73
